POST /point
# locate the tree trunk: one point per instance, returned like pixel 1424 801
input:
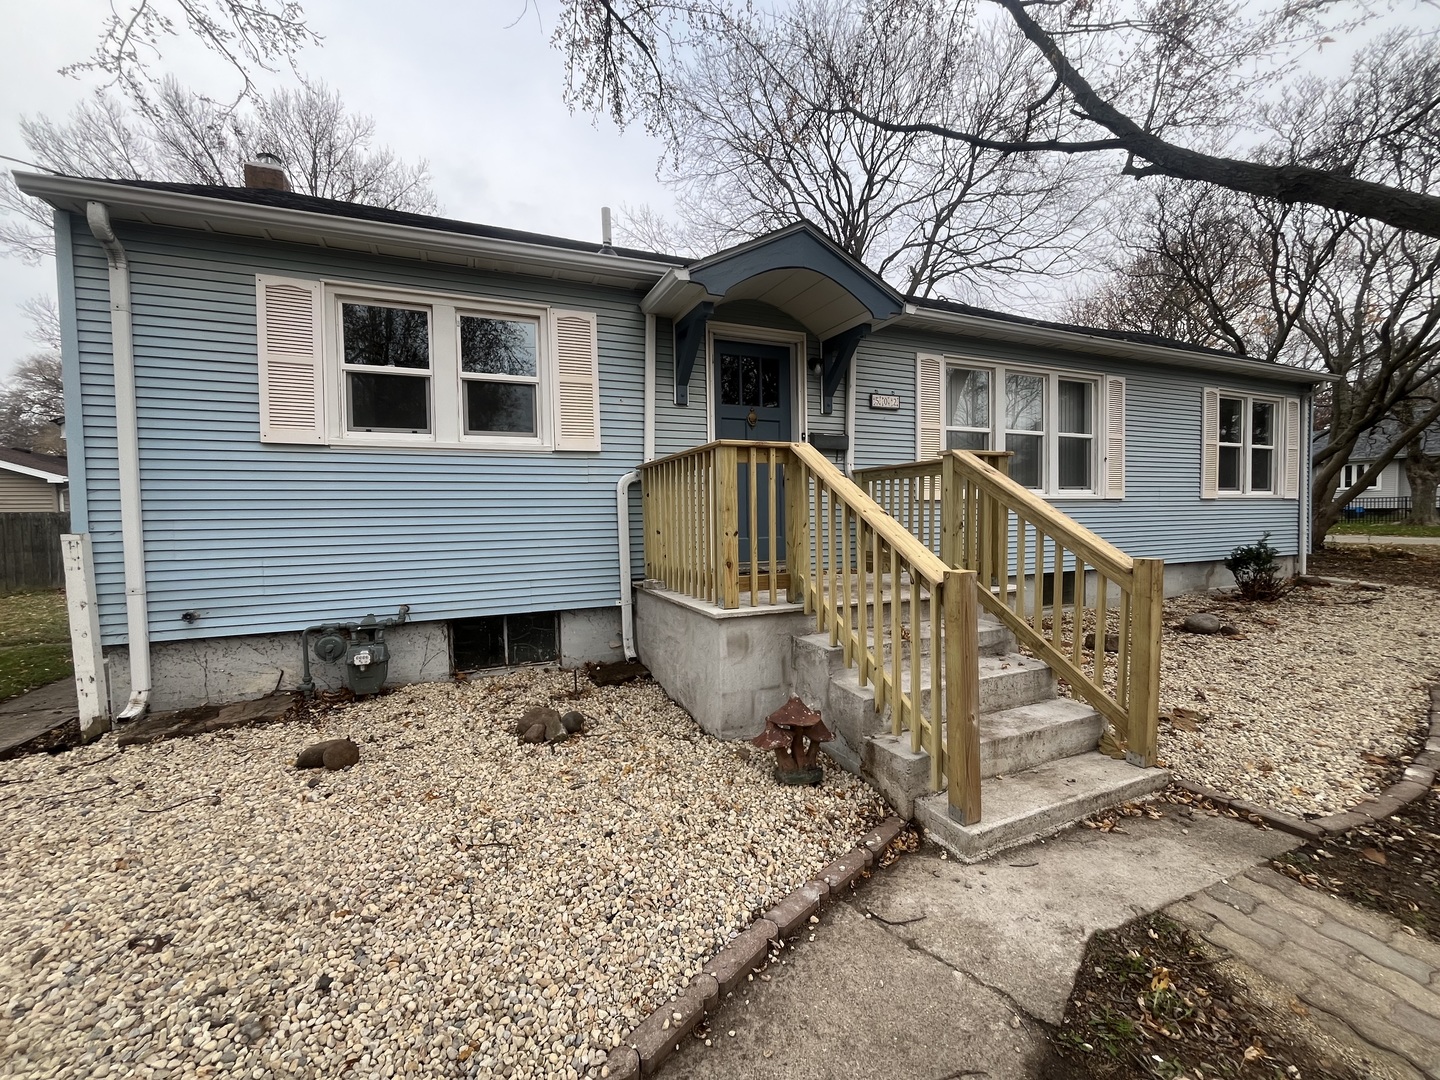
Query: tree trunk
pixel 1423 473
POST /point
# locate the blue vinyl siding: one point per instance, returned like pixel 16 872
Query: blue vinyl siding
pixel 1162 514
pixel 262 538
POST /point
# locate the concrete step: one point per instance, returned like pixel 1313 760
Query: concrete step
pixel 1011 741
pixel 1006 682
pixel 1038 802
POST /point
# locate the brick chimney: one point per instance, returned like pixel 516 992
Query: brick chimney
pixel 267 172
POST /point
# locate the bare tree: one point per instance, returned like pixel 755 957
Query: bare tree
pixel 246 34
pixel 1422 469
pixel 180 135
pixel 32 400
pixel 1161 88
pixel 749 153
pixel 1298 285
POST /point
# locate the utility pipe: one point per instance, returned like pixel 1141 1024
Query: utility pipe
pixel 127 452
pixel 627 592
pixel 649 410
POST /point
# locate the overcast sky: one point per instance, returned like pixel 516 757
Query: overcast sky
pixel 448 82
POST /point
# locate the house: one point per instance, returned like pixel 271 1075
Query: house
pixel 1388 493
pixel 33 483
pixel 291 412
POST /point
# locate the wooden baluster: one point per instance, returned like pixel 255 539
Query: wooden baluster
pixel 962 695
pixel 707 525
pixel 1077 625
pixel 1019 605
pixel 665 523
pixel 1057 595
pixel 774 548
pixel 836 514
pixel 797 529
pixel 1122 658
pixel 822 574
pixel 727 463
pixel 1102 627
pixel 687 540
pixel 936 746
pixel 754 508
pixel 1148 615
pixel 847 643
pixel 878 611
pixel 916 653
pixel 647 486
pixel 1038 619
pixel 949 511
pixel 862 601
pixel 897 715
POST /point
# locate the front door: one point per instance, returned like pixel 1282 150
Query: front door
pixel 754 403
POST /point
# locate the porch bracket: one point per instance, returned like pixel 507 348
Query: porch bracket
pixel 835 356
pixel 689 336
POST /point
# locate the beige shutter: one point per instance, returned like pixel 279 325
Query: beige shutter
pixel 929 407
pixel 1114 486
pixel 577 384
pixel 287 313
pixel 1292 448
pixel 1210 445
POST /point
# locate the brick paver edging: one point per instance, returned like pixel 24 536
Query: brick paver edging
pixel 659 1034
pixel 1419 778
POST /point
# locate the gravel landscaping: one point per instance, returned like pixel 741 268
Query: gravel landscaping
pixel 455 904
pixel 1308 707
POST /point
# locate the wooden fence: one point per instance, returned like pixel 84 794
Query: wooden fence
pixel 30 556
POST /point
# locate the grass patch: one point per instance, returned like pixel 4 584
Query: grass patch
pixel 1362 527
pixel 34 641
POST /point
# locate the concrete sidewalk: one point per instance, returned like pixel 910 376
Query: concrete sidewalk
pixel 28 715
pixel 1368 540
pixel 936 969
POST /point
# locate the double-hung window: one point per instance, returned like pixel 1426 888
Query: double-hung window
pixel 1048 422
pixel 378 366
pixel 1251 445
pixel 1351 474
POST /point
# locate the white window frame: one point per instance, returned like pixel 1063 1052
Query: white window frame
pixel 1050 436
pixel 447 399
pixel 1350 473
pixel 541 323
pixel 346 370
pixel 1278 436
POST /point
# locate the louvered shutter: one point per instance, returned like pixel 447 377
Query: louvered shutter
pixel 1210 445
pixel 1114 485
pixel 577 384
pixel 929 407
pixel 1292 448
pixel 287 312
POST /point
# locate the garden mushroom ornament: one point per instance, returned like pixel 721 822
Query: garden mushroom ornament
pixel 795 731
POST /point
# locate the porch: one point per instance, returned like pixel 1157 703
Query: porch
pixel 926 610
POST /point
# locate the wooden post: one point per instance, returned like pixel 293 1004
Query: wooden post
pixel 85 635
pixel 727 486
pixel 962 694
pixel 797 530
pixel 949 511
pixel 1147 611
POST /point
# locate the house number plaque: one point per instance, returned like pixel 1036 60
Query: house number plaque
pixel 885 401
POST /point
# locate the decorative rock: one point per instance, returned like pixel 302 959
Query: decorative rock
pixel 314 757
pixel 1202 623
pixel 535 733
pixel 574 722
pixel 536 714
pixel 1112 642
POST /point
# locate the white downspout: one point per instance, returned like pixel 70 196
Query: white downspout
pixel 627 592
pixel 850 413
pixel 127 451
pixel 649 413
pixel 1307 425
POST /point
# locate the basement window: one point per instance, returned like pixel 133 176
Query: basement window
pixel 505 640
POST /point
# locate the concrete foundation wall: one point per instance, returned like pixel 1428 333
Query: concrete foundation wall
pixel 728 669
pixel 207 671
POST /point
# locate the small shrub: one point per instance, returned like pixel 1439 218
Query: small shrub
pixel 1257 572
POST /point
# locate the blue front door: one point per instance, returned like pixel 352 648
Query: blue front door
pixel 753 402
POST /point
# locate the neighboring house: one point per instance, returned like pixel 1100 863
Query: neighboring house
pixel 33 483
pixel 1390 489
pixel 286 411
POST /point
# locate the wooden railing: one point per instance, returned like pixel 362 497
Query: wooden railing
pixel 1029 556
pixel 713 518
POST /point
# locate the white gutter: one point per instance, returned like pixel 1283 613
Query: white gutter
pixel 127 450
pixel 627 591
pixel 649 411
pixel 39 474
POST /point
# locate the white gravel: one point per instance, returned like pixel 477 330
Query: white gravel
pixel 1308 708
pixel 475 907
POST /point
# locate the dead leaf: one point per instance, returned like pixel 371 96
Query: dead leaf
pixel 1255 1052
pixel 1374 855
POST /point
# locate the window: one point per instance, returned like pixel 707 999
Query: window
pixel 377 366
pixel 1047 421
pixel 1246 445
pixel 1352 473
pixel 1251 445
pixel 505 640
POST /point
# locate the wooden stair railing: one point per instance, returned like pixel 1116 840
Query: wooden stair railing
pixel 1028 555
pixel 849 563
